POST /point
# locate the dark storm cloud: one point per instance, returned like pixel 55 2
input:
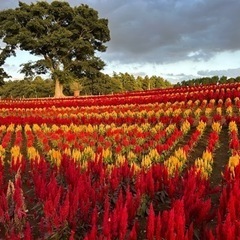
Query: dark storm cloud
pixel 169 31
pixel 166 31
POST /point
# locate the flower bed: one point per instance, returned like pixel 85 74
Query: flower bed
pixel 124 166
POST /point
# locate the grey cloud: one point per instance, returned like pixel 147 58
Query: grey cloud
pixel 175 78
pixel 160 31
pixel 228 72
pixel 168 31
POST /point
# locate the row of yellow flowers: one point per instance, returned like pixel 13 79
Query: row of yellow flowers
pixel 88 153
pixel 82 157
pixel 184 109
pixel 204 164
pixel 178 160
pixel 234 158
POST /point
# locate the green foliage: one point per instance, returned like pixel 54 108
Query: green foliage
pixel 3 75
pixel 153 82
pixel 104 84
pixel 130 83
pixel 27 88
pixel 65 37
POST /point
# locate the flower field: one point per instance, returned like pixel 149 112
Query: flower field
pixel 157 164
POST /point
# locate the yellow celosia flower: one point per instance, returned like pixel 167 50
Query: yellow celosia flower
pixel 16 154
pixel 201 126
pixel 10 127
pixel 150 113
pixel 3 128
pixel 203 166
pixel 185 127
pixel 177 112
pixel 212 101
pixel 89 128
pixel 55 156
pixel 36 127
pixel 145 126
pixel 154 155
pixel 173 164
pixel 2 154
pixel 18 128
pixel 88 154
pixel 27 128
pixel 229 111
pixel 33 154
pixel 120 159
pixel 146 162
pixel 76 155
pixel 203 172
pixel 219 110
pixel 197 102
pixel 73 116
pixel 197 112
pixel 159 113
pixel 65 128
pixel 159 126
pixel 217 127
pixel 68 152
pixel 101 129
pixel 2 151
pixel 135 167
pixel 169 111
pixel 207 156
pixel 208 111
pixel 131 157
pixel 170 128
pixel 187 112
pixel 84 165
pixel 110 168
pixel 233 126
pixel 181 155
pixel 55 128
pixel 233 161
pixel 107 155
pixel 45 128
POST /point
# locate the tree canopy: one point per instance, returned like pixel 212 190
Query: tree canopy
pixel 66 38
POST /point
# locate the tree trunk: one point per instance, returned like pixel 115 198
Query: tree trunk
pixel 58 89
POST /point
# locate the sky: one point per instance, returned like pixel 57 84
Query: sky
pixel 175 39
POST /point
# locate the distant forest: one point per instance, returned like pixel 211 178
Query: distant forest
pixel 38 87
pixel 207 80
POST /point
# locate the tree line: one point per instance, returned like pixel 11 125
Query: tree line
pixel 36 87
pixel 207 80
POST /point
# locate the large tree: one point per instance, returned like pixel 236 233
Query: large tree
pixel 65 38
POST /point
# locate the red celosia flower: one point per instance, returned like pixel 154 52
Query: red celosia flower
pixel 133 233
pixel 150 223
pixel 27 232
pixel 123 223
